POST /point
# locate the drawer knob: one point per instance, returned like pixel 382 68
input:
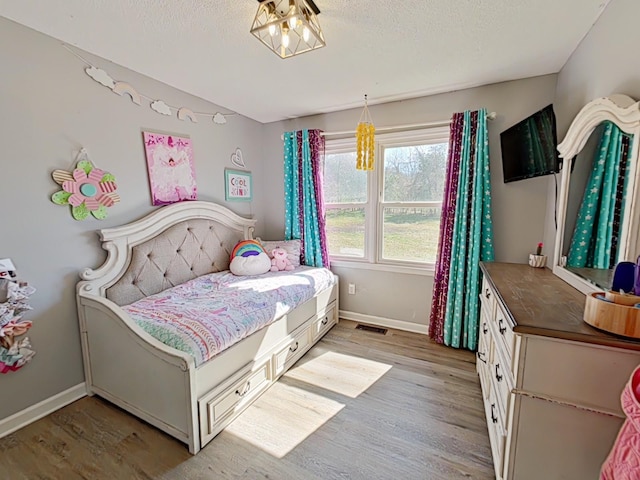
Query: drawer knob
pixel 325 320
pixel 480 356
pixel 501 327
pixel 485 329
pixel 487 293
pixel 293 348
pixel 245 390
pixel 494 418
pixel 498 376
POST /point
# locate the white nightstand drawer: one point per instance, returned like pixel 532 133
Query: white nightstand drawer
pixel 484 334
pixel 504 335
pixel 497 434
pixel 483 358
pixel 501 383
pixel 487 298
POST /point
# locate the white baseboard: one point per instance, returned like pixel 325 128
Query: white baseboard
pixel 384 322
pixel 41 409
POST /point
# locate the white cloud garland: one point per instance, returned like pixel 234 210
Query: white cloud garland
pixel 157 105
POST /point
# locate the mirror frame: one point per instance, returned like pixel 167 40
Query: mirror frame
pixel 624 112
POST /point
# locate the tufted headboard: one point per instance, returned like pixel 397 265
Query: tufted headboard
pixel 166 248
pixel 180 253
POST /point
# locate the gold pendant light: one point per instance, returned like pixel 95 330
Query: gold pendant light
pixel 288 27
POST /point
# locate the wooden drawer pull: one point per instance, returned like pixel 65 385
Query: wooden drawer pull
pixel 494 418
pixel 245 390
pixel 294 348
pixel 480 355
pixel 501 327
pixel 498 376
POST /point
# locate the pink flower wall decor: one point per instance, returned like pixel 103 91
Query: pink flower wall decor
pixel 172 175
pixel 88 190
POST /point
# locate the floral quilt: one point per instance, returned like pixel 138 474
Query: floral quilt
pixel 210 313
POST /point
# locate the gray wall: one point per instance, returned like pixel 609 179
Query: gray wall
pixel 607 61
pixel 49 109
pixel 518 207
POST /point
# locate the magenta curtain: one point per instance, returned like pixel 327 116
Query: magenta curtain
pixel 466 233
pixel 447 217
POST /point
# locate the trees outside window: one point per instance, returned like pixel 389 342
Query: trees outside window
pixel 392 214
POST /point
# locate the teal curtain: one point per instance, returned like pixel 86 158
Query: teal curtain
pixel 466 234
pixel 303 195
pixel 594 243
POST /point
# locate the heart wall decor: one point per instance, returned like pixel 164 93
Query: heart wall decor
pixel 237 160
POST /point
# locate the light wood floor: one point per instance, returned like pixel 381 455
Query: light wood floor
pixel 359 405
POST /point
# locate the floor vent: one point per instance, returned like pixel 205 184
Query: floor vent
pixel 369 328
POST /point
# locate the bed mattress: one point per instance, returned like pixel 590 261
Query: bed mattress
pixel 208 314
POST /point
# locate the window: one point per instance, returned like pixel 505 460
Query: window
pixel 392 214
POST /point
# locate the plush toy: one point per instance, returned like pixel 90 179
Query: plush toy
pixel 279 260
pixel 249 258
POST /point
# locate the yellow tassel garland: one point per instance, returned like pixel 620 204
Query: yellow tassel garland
pixel 365 134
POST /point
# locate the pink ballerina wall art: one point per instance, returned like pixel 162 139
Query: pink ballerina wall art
pixel 171 169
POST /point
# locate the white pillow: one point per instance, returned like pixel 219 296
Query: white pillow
pixel 248 257
pixel 254 265
pixel 291 246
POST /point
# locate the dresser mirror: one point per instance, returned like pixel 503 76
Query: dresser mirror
pixel 597 213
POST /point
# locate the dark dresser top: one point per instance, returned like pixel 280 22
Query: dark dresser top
pixel 539 303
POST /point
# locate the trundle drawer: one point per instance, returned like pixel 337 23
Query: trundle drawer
pixel 218 406
pixel 294 349
pixel 323 322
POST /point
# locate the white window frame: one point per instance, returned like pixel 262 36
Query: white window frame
pixel 375 204
pixel 348 145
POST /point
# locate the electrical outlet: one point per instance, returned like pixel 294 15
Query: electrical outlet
pixel 352 289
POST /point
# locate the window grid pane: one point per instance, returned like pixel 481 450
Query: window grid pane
pixel 342 182
pixel 415 173
pixel 346 231
pixel 411 234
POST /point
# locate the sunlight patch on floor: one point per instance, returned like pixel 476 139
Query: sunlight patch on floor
pixel 339 373
pixel 283 418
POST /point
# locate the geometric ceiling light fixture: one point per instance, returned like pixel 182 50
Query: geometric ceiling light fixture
pixel 288 27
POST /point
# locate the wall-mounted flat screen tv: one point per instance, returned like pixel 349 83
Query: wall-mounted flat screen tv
pixel 529 148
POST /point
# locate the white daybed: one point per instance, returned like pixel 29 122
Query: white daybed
pixel 158 383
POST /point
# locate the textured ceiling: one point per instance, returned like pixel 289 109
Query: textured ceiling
pixel 390 50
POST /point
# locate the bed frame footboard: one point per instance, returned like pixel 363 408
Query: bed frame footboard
pixel 131 369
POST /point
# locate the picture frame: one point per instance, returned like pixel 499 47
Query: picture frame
pixel 170 164
pixel 238 186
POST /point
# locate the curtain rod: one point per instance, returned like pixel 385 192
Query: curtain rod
pixel 442 123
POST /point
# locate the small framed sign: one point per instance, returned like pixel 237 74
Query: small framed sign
pixel 237 185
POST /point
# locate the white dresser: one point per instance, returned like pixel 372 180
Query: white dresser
pixel 551 383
